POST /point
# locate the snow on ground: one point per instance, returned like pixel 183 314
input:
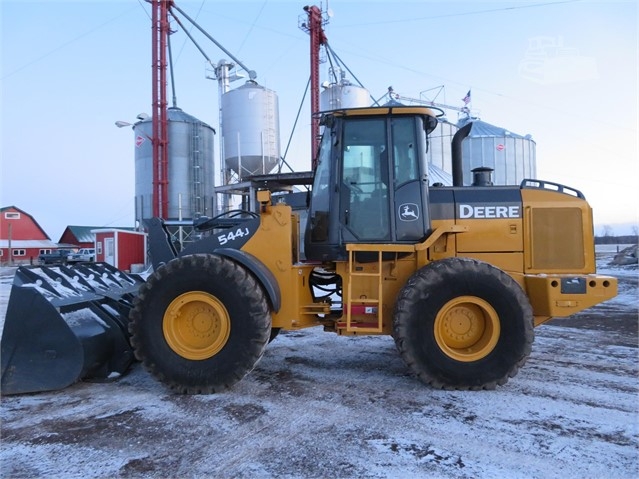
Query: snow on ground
pixel 320 405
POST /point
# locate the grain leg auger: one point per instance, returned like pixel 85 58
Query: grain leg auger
pixel 66 324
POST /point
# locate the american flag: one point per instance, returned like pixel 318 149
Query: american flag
pixel 466 99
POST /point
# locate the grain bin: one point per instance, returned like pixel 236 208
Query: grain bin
pixel 439 145
pixel 250 130
pixel 511 156
pixel 343 95
pixel 190 167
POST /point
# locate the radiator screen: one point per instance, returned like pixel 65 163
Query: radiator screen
pixel 557 238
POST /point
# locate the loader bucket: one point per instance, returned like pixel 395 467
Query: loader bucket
pixel 65 324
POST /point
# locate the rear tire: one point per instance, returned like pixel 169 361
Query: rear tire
pixel 200 323
pixel 463 324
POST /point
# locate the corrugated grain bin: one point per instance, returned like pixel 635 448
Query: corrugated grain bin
pixel 191 167
pixel 511 156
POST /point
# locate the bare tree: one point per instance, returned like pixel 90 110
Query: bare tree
pixel 606 230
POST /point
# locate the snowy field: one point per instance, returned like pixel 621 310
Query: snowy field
pixel 319 405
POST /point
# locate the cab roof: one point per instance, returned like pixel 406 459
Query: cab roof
pixel 382 110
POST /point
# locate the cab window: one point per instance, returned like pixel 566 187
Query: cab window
pixel 365 206
pixel 319 214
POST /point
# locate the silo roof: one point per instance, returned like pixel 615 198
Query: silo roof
pixel 177 114
pixel 480 128
pixel 251 85
pixel 437 175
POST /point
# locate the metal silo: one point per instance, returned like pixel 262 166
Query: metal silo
pixel 250 130
pixel 511 156
pixel 439 145
pixel 190 164
pixel 343 95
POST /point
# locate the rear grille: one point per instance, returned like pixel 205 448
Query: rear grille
pixel 557 239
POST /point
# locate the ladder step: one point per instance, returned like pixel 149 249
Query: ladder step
pixel 361 327
pixel 364 307
pixel 373 275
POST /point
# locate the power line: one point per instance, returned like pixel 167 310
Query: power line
pixel 190 29
pixel 252 26
pixel 66 44
pixel 462 14
pixel 147 13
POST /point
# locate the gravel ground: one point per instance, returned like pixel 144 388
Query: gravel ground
pixel 320 405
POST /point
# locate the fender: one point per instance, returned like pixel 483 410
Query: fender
pixel 162 251
pixel 255 266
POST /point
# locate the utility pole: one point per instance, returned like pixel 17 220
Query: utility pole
pixel 9 244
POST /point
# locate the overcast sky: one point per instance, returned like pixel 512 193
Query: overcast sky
pixel 70 69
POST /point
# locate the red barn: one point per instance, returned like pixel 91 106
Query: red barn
pixel 120 248
pixel 79 235
pixel 21 237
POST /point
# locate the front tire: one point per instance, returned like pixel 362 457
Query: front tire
pixel 200 323
pixel 463 324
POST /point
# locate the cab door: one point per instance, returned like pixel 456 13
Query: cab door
pixel 410 181
pixel 364 205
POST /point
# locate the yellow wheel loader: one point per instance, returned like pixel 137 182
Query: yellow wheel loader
pixel 458 275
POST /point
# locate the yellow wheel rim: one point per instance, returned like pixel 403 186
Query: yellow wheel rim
pixel 467 328
pixel 196 325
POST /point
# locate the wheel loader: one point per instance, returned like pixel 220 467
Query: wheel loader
pixel 458 275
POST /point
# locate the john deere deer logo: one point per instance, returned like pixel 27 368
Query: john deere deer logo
pixel 408 212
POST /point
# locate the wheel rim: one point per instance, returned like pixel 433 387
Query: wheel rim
pixel 196 325
pixel 467 328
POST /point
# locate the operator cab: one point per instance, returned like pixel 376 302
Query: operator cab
pixel 371 181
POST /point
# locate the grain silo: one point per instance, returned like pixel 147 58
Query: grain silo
pixel 250 131
pixel 439 145
pixel 511 156
pixel 190 167
pixel 335 96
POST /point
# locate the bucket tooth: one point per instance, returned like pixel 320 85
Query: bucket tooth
pixel 66 324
